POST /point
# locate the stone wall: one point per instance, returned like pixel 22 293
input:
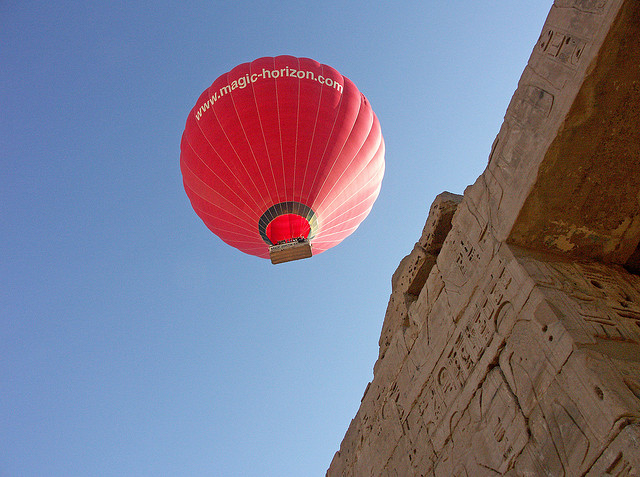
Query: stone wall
pixel 511 343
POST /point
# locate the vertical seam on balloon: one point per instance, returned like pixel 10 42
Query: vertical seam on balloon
pixel 213 109
pixel 284 172
pixel 357 192
pixel 221 157
pixel 331 240
pixel 345 232
pixel 257 242
pixel 266 146
pixel 295 151
pixel 356 219
pixel 313 136
pixel 366 199
pixel 249 143
pixel 338 156
pixel 365 165
pixel 377 175
pixel 255 100
pixel 216 175
pixel 335 119
pixel 217 218
pixel 218 154
pixel 338 221
pixel 234 228
pixel 222 196
pixel 374 157
pixel 221 226
pixel 341 234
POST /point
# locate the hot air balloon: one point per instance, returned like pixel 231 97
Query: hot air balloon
pixel 282 157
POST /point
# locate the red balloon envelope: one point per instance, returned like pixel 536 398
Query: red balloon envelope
pixel 281 150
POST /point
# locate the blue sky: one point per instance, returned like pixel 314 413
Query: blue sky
pixel 134 342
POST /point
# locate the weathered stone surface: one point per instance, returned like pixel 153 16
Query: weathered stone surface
pixel 413 271
pixel 622 456
pixel 511 343
pixel 595 214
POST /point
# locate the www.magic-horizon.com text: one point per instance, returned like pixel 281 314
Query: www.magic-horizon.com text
pixel 248 79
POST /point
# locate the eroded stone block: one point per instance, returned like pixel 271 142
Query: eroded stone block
pixel 622 457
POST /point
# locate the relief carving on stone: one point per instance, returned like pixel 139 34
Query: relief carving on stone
pixel 561 46
pixel 590 6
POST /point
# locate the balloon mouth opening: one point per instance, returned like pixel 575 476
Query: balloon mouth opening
pixel 287 221
pixel 288 227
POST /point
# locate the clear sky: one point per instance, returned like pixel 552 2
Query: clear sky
pixel 133 341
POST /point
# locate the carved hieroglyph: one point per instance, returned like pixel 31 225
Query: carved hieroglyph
pixel 511 343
